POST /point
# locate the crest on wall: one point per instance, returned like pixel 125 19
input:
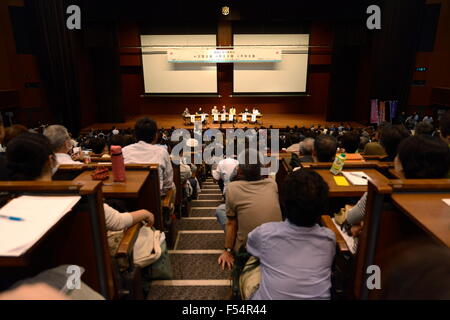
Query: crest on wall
pixel 225 10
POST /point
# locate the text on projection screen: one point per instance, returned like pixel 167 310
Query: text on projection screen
pixel 160 76
pixel 287 76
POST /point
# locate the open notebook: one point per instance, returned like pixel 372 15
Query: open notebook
pixel 39 214
pixel 352 243
pixel 356 178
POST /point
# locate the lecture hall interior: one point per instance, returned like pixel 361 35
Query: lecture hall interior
pixel 225 150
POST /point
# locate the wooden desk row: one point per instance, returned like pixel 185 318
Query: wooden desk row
pixel 80 237
pixel 397 211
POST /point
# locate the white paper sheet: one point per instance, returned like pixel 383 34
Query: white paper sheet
pixel 356 178
pixel 39 214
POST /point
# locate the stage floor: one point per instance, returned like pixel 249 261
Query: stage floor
pixel 277 121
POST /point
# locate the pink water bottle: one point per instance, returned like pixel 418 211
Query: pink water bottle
pixel 118 164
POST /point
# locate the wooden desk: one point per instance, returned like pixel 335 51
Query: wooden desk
pixel 351 190
pixel 78 238
pixel 141 188
pixel 131 188
pixel 428 211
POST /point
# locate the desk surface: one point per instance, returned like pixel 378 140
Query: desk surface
pixel 351 190
pixel 128 189
pixel 428 211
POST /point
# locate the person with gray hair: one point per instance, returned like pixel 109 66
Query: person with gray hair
pixel 61 143
pixel 306 150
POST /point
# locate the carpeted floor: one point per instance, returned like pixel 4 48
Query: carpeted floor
pixel 200 240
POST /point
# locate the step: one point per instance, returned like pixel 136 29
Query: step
pixel 206 203
pixel 198 223
pixel 217 196
pixel 192 292
pixel 197 266
pixel 211 191
pixel 203 212
pixel 198 240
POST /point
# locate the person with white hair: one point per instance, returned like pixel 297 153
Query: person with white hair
pixel 61 143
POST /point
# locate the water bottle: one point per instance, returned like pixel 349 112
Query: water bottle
pixel 338 164
pixel 86 157
pixel 118 164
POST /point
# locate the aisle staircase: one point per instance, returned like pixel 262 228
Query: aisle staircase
pixel 200 241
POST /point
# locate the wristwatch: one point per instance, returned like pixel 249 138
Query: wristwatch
pixel 229 250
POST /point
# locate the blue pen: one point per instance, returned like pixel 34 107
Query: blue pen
pixel 11 218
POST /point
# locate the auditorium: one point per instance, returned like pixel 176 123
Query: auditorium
pixel 230 150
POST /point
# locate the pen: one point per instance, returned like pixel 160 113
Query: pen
pixel 357 175
pixel 11 218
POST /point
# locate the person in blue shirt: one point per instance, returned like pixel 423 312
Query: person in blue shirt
pixel 295 255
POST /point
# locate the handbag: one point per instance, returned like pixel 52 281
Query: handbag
pixel 147 248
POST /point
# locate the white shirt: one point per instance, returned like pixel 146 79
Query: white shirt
pixel 146 153
pixel 294 148
pixel 64 158
pixel 116 221
pixel 224 171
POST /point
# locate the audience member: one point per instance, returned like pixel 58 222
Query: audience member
pixel 296 255
pixel 145 152
pixel 325 148
pixel 419 157
pixel 61 144
pixel 251 200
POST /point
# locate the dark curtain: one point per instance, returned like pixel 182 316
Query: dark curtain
pixel 369 64
pixel 55 54
pixel 102 40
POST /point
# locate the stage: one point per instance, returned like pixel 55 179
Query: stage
pixel 277 121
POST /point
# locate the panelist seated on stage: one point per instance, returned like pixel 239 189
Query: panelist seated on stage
pixel 256 111
pixel 246 111
pixel 214 110
pixel 232 111
pixel 224 110
pixel 200 111
pixel 186 112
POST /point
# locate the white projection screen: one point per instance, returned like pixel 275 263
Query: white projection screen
pixel 288 76
pixel 160 76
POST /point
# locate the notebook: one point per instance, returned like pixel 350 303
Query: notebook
pixel 352 243
pixel 39 214
pixel 357 178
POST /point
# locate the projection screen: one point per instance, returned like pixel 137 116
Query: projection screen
pixel 288 76
pixel 160 76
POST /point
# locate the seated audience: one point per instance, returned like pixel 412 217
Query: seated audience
pixel 224 171
pixel 325 148
pixel 419 157
pixel 98 146
pixel 30 157
pixel 61 144
pixel 251 200
pixel 306 149
pixel 146 152
pixel 12 132
pixel 390 138
pixel 424 128
pixel 349 141
pixel 295 255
